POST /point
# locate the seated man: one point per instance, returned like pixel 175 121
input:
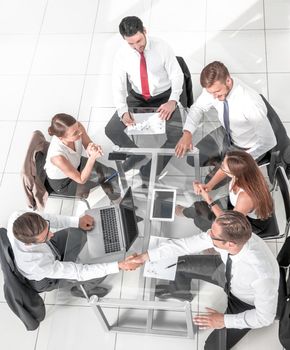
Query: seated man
pixel 250 279
pixel 241 111
pixel 156 80
pixel 41 255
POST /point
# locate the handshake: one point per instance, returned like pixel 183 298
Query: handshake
pixel 132 262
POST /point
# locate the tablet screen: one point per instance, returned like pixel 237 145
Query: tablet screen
pixel 163 205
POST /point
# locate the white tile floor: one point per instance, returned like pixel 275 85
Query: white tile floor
pixel 56 56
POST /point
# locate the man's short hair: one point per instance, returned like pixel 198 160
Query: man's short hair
pixel 27 226
pixel 235 227
pixel 131 25
pixel 215 71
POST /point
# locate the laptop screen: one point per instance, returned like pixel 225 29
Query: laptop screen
pixel 129 219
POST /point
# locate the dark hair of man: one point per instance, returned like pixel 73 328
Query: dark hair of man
pixel 248 176
pixel 235 227
pixel 213 72
pixel 130 26
pixel 59 124
pixel 27 226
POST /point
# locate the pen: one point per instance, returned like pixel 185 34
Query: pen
pixel 177 263
pixel 111 176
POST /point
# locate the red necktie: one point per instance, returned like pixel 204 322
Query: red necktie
pixel 144 77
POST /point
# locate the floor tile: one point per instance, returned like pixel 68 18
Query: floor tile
pixel 111 12
pixel 5 141
pixel 21 139
pixel 241 15
pixel 74 328
pixel 279 82
pixel 97 93
pixel 13 332
pixel 192 54
pixel 17 16
pixel 69 16
pixel 278 62
pixel 62 54
pixel 178 16
pixel 11 90
pixel 11 187
pixel 16 53
pixel 256 81
pixel 46 96
pixel 240 51
pixel 277 14
pixel 108 45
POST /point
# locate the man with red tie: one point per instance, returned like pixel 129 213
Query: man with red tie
pixel 155 79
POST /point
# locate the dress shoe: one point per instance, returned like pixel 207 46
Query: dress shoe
pixel 99 291
pixel 130 162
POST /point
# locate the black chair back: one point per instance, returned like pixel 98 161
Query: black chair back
pixel 283 183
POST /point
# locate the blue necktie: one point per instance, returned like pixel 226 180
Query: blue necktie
pixel 227 122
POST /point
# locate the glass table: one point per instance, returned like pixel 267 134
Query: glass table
pixel 131 305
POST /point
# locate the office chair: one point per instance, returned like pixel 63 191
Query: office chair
pixel 281 182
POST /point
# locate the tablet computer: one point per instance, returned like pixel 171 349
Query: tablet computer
pixel 163 204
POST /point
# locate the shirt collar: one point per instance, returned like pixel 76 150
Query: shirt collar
pixel 242 252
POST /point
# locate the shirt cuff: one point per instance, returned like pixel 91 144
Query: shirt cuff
pixel 112 267
pixel 74 221
pixel 174 96
pixel 232 321
pixel 121 111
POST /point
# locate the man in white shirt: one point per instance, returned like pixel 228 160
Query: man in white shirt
pixel 46 259
pixel 155 80
pixel 251 276
pixel 241 111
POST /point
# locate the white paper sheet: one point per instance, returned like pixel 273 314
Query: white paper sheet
pixel 158 269
pixel 146 124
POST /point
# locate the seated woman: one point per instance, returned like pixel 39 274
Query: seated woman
pixel 69 173
pixel 248 192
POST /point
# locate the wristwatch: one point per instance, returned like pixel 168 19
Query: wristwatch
pixel 210 205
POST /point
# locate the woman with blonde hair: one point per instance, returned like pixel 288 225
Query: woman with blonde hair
pixel 248 191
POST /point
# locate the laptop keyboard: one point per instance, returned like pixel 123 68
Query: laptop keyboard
pixel 110 230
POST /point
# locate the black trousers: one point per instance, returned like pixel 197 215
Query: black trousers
pixel 99 173
pixel 210 268
pixel 68 252
pixel 115 128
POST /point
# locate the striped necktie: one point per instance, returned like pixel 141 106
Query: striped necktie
pixel 227 122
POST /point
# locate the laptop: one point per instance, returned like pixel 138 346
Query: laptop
pixel 115 230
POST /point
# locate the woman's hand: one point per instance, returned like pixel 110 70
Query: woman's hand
pixel 198 187
pixel 205 195
pixel 94 151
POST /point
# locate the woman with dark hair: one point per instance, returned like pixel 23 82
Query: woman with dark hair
pixel 248 191
pixel 68 172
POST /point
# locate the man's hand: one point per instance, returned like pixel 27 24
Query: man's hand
pixel 213 319
pixel 86 222
pixel 128 264
pixel 140 259
pixel 184 144
pixel 166 110
pixel 128 119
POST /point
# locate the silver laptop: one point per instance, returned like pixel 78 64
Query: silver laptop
pixel 115 230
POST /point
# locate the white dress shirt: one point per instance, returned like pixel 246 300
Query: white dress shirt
pixel 36 261
pixel 162 68
pixel 57 148
pixel 249 125
pixel 255 276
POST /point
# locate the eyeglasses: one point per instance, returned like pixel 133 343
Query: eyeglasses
pixel 215 238
pixel 48 230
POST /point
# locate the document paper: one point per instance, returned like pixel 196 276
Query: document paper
pixel 158 269
pixel 146 124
